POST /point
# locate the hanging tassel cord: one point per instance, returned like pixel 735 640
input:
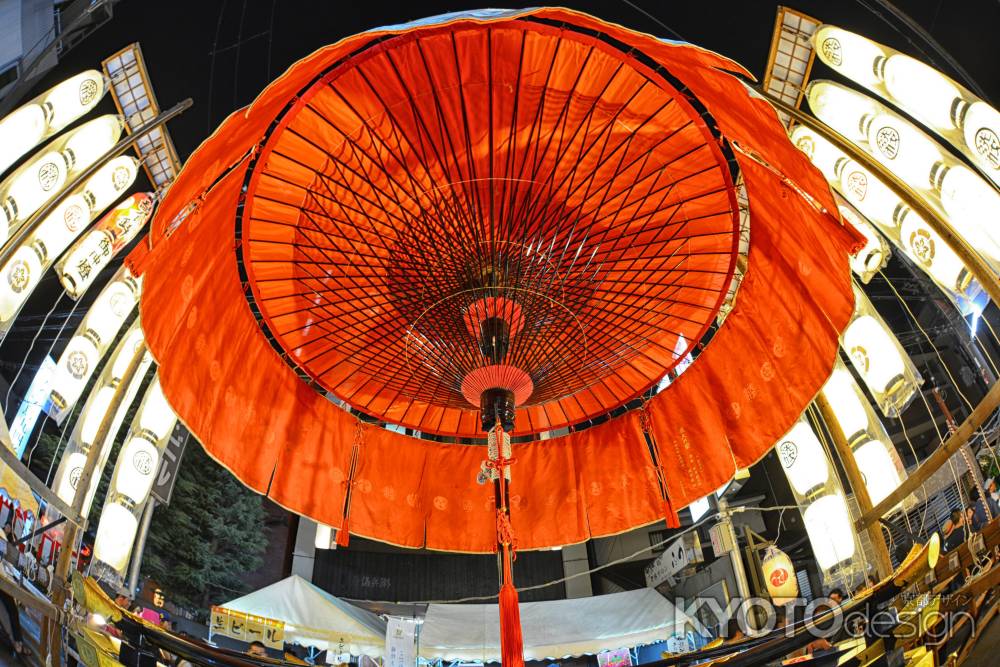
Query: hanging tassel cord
pixel 344 532
pixel 511 639
pixel 669 512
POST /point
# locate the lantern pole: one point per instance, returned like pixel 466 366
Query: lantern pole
pixel 82 491
pixel 140 544
pixel 32 223
pixel 883 564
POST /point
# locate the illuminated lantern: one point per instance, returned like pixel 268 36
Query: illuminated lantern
pixel 19 132
pixel 906 151
pixel 878 469
pixel 139 464
pixel 95 413
pixel 72 98
pixel 852 55
pixel 324 536
pixel 923 92
pixel 875 253
pixel 930 252
pixel 156 419
pixel 90 141
pixel 879 359
pixel 70 479
pixel 982 137
pixel 843 395
pixel 115 535
pixel 828 525
pixel 31 187
pixel 90 342
pixel 972 207
pixel 48 114
pixel 803 459
pixel 841 108
pixel 873 354
pixel 127 349
pixel 779 576
pixel 821 152
pixel 81 264
pixel 110 182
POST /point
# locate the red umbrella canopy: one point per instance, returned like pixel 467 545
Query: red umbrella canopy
pixel 519 181
pixel 534 202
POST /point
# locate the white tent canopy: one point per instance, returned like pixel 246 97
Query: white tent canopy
pixel 313 617
pixel 552 630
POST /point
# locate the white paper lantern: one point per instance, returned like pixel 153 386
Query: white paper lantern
pixel 842 395
pixel 111 181
pixel 94 414
pixel 72 98
pixel 878 469
pixel 139 463
pixel 324 536
pixel 873 354
pixel 19 132
pixel 20 276
pixel 874 255
pixel 157 417
pixel 841 108
pixel 90 141
pixel 852 55
pixel 867 193
pixel 904 150
pixel 32 186
pixel 803 459
pixel 115 535
pixel 972 207
pixel 69 477
pixel 828 525
pixel 821 152
pixel 128 351
pixel 109 311
pixel 923 92
pixel 981 130
pixel 779 576
pixel 925 247
pixel 76 364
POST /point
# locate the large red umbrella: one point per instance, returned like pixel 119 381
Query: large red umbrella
pixel 500 222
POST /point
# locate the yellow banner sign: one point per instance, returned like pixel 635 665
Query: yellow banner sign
pixel 247 627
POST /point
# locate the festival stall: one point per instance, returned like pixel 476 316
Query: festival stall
pixel 293 610
pixel 553 629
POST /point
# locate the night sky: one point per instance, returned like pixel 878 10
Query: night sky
pixel 221 53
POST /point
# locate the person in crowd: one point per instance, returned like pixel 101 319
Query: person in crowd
pixel 159 602
pixel 980 505
pixel 837 595
pixel 257 650
pixel 122 600
pixel 954 530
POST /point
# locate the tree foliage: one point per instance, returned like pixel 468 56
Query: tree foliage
pixel 202 545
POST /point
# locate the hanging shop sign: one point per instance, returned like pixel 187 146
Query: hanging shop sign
pixel 400 644
pixel 170 464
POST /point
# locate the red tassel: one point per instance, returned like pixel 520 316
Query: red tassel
pixel 673 521
pixel 511 642
pixel 343 535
